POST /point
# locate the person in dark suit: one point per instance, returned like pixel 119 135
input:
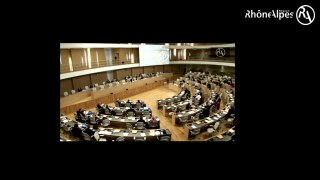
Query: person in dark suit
pixel 209 86
pixel 76 131
pixel 89 131
pixel 188 106
pixel 141 120
pixel 132 110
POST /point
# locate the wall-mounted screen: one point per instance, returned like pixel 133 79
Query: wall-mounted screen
pixel 151 55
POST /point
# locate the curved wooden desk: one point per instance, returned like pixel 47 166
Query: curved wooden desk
pixel 122 121
pixel 151 135
pixel 71 103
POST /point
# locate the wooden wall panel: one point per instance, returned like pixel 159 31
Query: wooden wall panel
pixel 64 54
pixel 110 98
pixel 81 81
pixel 148 70
pixel 65 86
pixel 167 69
pixel 102 57
pixel 136 55
pixel 158 68
pixel 121 73
pixel 94 53
pixel 98 77
pixel 137 71
pixel 77 55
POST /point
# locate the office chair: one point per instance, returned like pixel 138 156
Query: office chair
pixel 146 114
pixel 118 113
pixel 127 105
pixel 140 126
pixel 86 136
pixel 195 117
pixel 130 114
pixel 164 138
pixel 139 139
pixel 138 105
pixel 153 124
pixel 129 126
pixel 194 132
pixel 182 120
pixel 117 104
pixel 196 103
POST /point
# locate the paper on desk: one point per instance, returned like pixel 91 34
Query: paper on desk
pixel 104 115
pixel 151 133
pixel 134 131
pixel 157 133
pixel 122 120
pixel 105 132
pixel 179 115
pixel 143 134
pixel 116 130
pixel 110 118
pixel 193 126
pixel 125 134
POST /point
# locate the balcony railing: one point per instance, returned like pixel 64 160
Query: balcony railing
pixel 102 63
pixel 79 66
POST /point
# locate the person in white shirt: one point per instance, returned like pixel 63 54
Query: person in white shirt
pixel 198 97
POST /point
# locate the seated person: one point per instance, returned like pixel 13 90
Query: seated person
pixel 188 106
pixel 141 120
pixel 89 131
pixel 76 131
pixel 153 120
pixel 198 97
pixel 107 108
pixel 131 109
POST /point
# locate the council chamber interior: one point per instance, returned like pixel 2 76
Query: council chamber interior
pixel 130 92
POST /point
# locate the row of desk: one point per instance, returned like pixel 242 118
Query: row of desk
pixel 149 135
pixel 205 123
pixel 122 121
pixel 69 104
pixel 112 133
